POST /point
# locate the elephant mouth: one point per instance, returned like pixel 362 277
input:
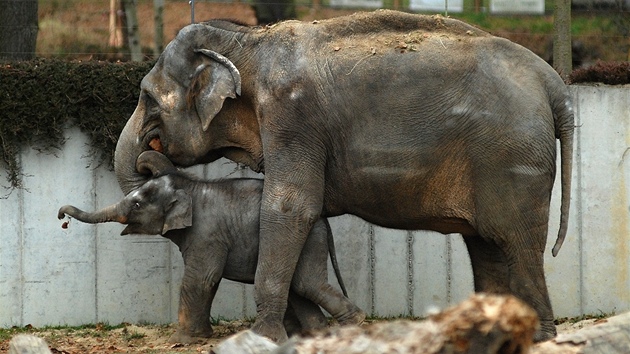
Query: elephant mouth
pixel 152 141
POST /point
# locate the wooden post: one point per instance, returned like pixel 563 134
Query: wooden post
pixel 562 60
pixel 115 33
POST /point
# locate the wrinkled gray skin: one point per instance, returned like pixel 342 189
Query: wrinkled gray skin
pixel 407 121
pixel 215 224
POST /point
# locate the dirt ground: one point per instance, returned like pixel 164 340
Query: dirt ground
pixel 153 338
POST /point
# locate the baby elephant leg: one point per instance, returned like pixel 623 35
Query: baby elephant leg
pixel 303 315
pixel 310 279
pixel 195 302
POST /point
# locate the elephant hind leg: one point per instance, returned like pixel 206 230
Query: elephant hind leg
pixel 489 264
pixel 515 266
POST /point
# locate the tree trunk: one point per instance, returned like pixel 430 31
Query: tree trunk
pixel 158 14
pixel 18 37
pixel 115 24
pixel 607 336
pixel 133 31
pixel 562 60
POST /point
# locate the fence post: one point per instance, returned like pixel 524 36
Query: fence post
pixel 562 60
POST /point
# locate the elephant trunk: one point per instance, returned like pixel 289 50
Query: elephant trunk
pixel 110 213
pixel 155 163
pixel 128 148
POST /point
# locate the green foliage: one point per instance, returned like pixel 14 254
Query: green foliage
pixel 40 98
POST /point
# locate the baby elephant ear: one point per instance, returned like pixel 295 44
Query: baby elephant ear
pixel 179 215
pixel 224 82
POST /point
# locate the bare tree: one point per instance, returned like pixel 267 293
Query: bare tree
pixel 158 16
pixel 18 29
pixel 133 31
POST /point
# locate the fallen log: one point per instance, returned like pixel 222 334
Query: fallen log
pixel 608 336
pixel 482 324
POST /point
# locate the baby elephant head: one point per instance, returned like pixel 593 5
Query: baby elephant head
pixel 153 209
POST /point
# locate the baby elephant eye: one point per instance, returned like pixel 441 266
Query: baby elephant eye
pixel 136 206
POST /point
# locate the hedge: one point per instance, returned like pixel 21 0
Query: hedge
pixel 42 97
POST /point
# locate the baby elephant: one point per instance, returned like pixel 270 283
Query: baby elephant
pixel 215 224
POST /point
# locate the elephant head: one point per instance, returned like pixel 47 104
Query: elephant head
pixel 180 97
pixel 153 209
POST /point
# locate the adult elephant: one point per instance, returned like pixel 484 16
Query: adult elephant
pixel 407 121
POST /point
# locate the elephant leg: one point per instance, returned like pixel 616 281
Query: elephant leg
pixel 310 280
pixel 489 264
pixel 333 301
pixel 515 240
pixel 527 281
pixel 284 226
pixel 196 295
pixel 303 315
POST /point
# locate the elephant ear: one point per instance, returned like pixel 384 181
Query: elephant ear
pixel 224 82
pixel 179 213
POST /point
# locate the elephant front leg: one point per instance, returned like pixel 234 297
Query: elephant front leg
pixel 284 226
pixel 195 303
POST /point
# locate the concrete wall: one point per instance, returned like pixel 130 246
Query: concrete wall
pixel 88 274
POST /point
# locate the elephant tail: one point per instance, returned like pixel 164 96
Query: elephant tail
pixel 333 257
pixel 564 128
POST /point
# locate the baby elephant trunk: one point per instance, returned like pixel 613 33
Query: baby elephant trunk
pixel 110 213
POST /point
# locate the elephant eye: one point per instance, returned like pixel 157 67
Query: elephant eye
pixel 136 206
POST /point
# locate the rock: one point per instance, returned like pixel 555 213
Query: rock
pixel 245 342
pixel 28 344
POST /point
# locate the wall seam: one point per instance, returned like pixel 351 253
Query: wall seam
pixel 579 206
pixel 22 246
pixel 410 262
pixel 95 246
pixel 372 270
pixel 449 270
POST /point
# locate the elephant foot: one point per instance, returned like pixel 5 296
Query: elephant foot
pixel 546 332
pixel 273 331
pixel 353 318
pixel 189 338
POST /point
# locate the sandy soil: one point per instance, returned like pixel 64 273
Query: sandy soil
pixel 153 338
